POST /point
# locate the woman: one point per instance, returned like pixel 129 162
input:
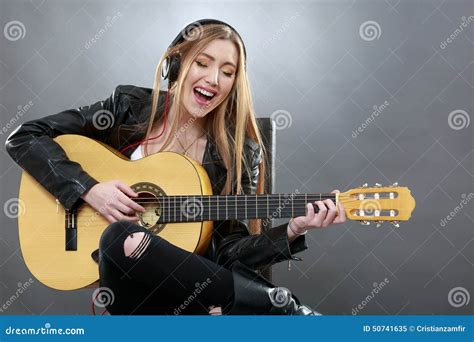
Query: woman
pixel 206 114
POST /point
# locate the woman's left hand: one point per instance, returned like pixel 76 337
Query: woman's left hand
pixel 327 215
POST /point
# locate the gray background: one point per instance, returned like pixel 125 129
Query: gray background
pixel 310 59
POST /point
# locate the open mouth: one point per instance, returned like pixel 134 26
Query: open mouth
pixel 203 96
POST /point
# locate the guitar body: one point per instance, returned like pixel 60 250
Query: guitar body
pixel 42 225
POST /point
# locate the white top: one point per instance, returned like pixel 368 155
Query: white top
pixel 137 154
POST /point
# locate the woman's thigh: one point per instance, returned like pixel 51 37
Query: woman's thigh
pixel 164 280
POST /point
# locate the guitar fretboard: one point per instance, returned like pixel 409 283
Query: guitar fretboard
pixel 217 208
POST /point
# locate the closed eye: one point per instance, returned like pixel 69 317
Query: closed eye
pixel 203 65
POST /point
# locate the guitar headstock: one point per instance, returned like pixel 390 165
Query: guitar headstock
pixel 379 204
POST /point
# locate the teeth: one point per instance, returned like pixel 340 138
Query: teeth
pixel 204 92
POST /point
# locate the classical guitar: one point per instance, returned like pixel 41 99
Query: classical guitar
pixel 177 195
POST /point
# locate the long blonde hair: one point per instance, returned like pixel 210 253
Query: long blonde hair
pixel 229 123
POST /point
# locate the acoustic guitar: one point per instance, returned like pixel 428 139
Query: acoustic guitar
pixel 177 195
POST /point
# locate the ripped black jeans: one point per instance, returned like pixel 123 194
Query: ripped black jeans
pixel 158 278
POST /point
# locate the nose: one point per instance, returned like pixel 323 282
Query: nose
pixel 212 78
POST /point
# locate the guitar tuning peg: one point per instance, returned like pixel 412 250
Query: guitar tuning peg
pixel 378 185
pixel 365 223
pixel 396 224
pixel 395 184
pixel 378 223
pixel 365 185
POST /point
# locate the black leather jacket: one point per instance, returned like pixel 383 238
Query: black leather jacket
pixel 31 146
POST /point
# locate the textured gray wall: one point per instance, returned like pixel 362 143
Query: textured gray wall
pixel 320 67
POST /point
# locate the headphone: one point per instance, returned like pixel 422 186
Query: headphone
pixel 172 63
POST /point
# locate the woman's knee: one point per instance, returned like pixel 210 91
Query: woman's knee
pixel 126 236
pixel 135 244
pixel 116 233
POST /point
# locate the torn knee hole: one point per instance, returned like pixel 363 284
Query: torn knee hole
pixel 135 244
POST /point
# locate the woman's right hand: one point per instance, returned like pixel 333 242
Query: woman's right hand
pixel 112 200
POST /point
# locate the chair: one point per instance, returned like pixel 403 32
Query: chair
pixel 268 131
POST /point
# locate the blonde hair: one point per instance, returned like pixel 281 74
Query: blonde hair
pixel 229 123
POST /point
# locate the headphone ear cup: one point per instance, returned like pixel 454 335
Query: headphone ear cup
pixel 174 65
pixel 165 68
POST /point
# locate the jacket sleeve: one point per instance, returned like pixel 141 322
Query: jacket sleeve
pixel 32 147
pixel 233 241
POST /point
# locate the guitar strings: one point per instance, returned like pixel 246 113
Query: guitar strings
pixel 250 199
pixel 275 205
pixel 206 198
pixel 300 203
pixel 239 211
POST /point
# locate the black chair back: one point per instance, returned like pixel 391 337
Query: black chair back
pixel 268 131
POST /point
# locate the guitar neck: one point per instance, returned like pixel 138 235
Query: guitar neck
pixel 217 208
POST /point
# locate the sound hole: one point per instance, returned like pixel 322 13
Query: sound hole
pixel 148 197
pixel 152 213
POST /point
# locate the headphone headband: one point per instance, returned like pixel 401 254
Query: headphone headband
pixel 170 70
pixel 184 33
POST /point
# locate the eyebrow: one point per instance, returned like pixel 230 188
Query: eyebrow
pixel 213 59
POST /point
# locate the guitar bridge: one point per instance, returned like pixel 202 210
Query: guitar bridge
pixel 71 229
